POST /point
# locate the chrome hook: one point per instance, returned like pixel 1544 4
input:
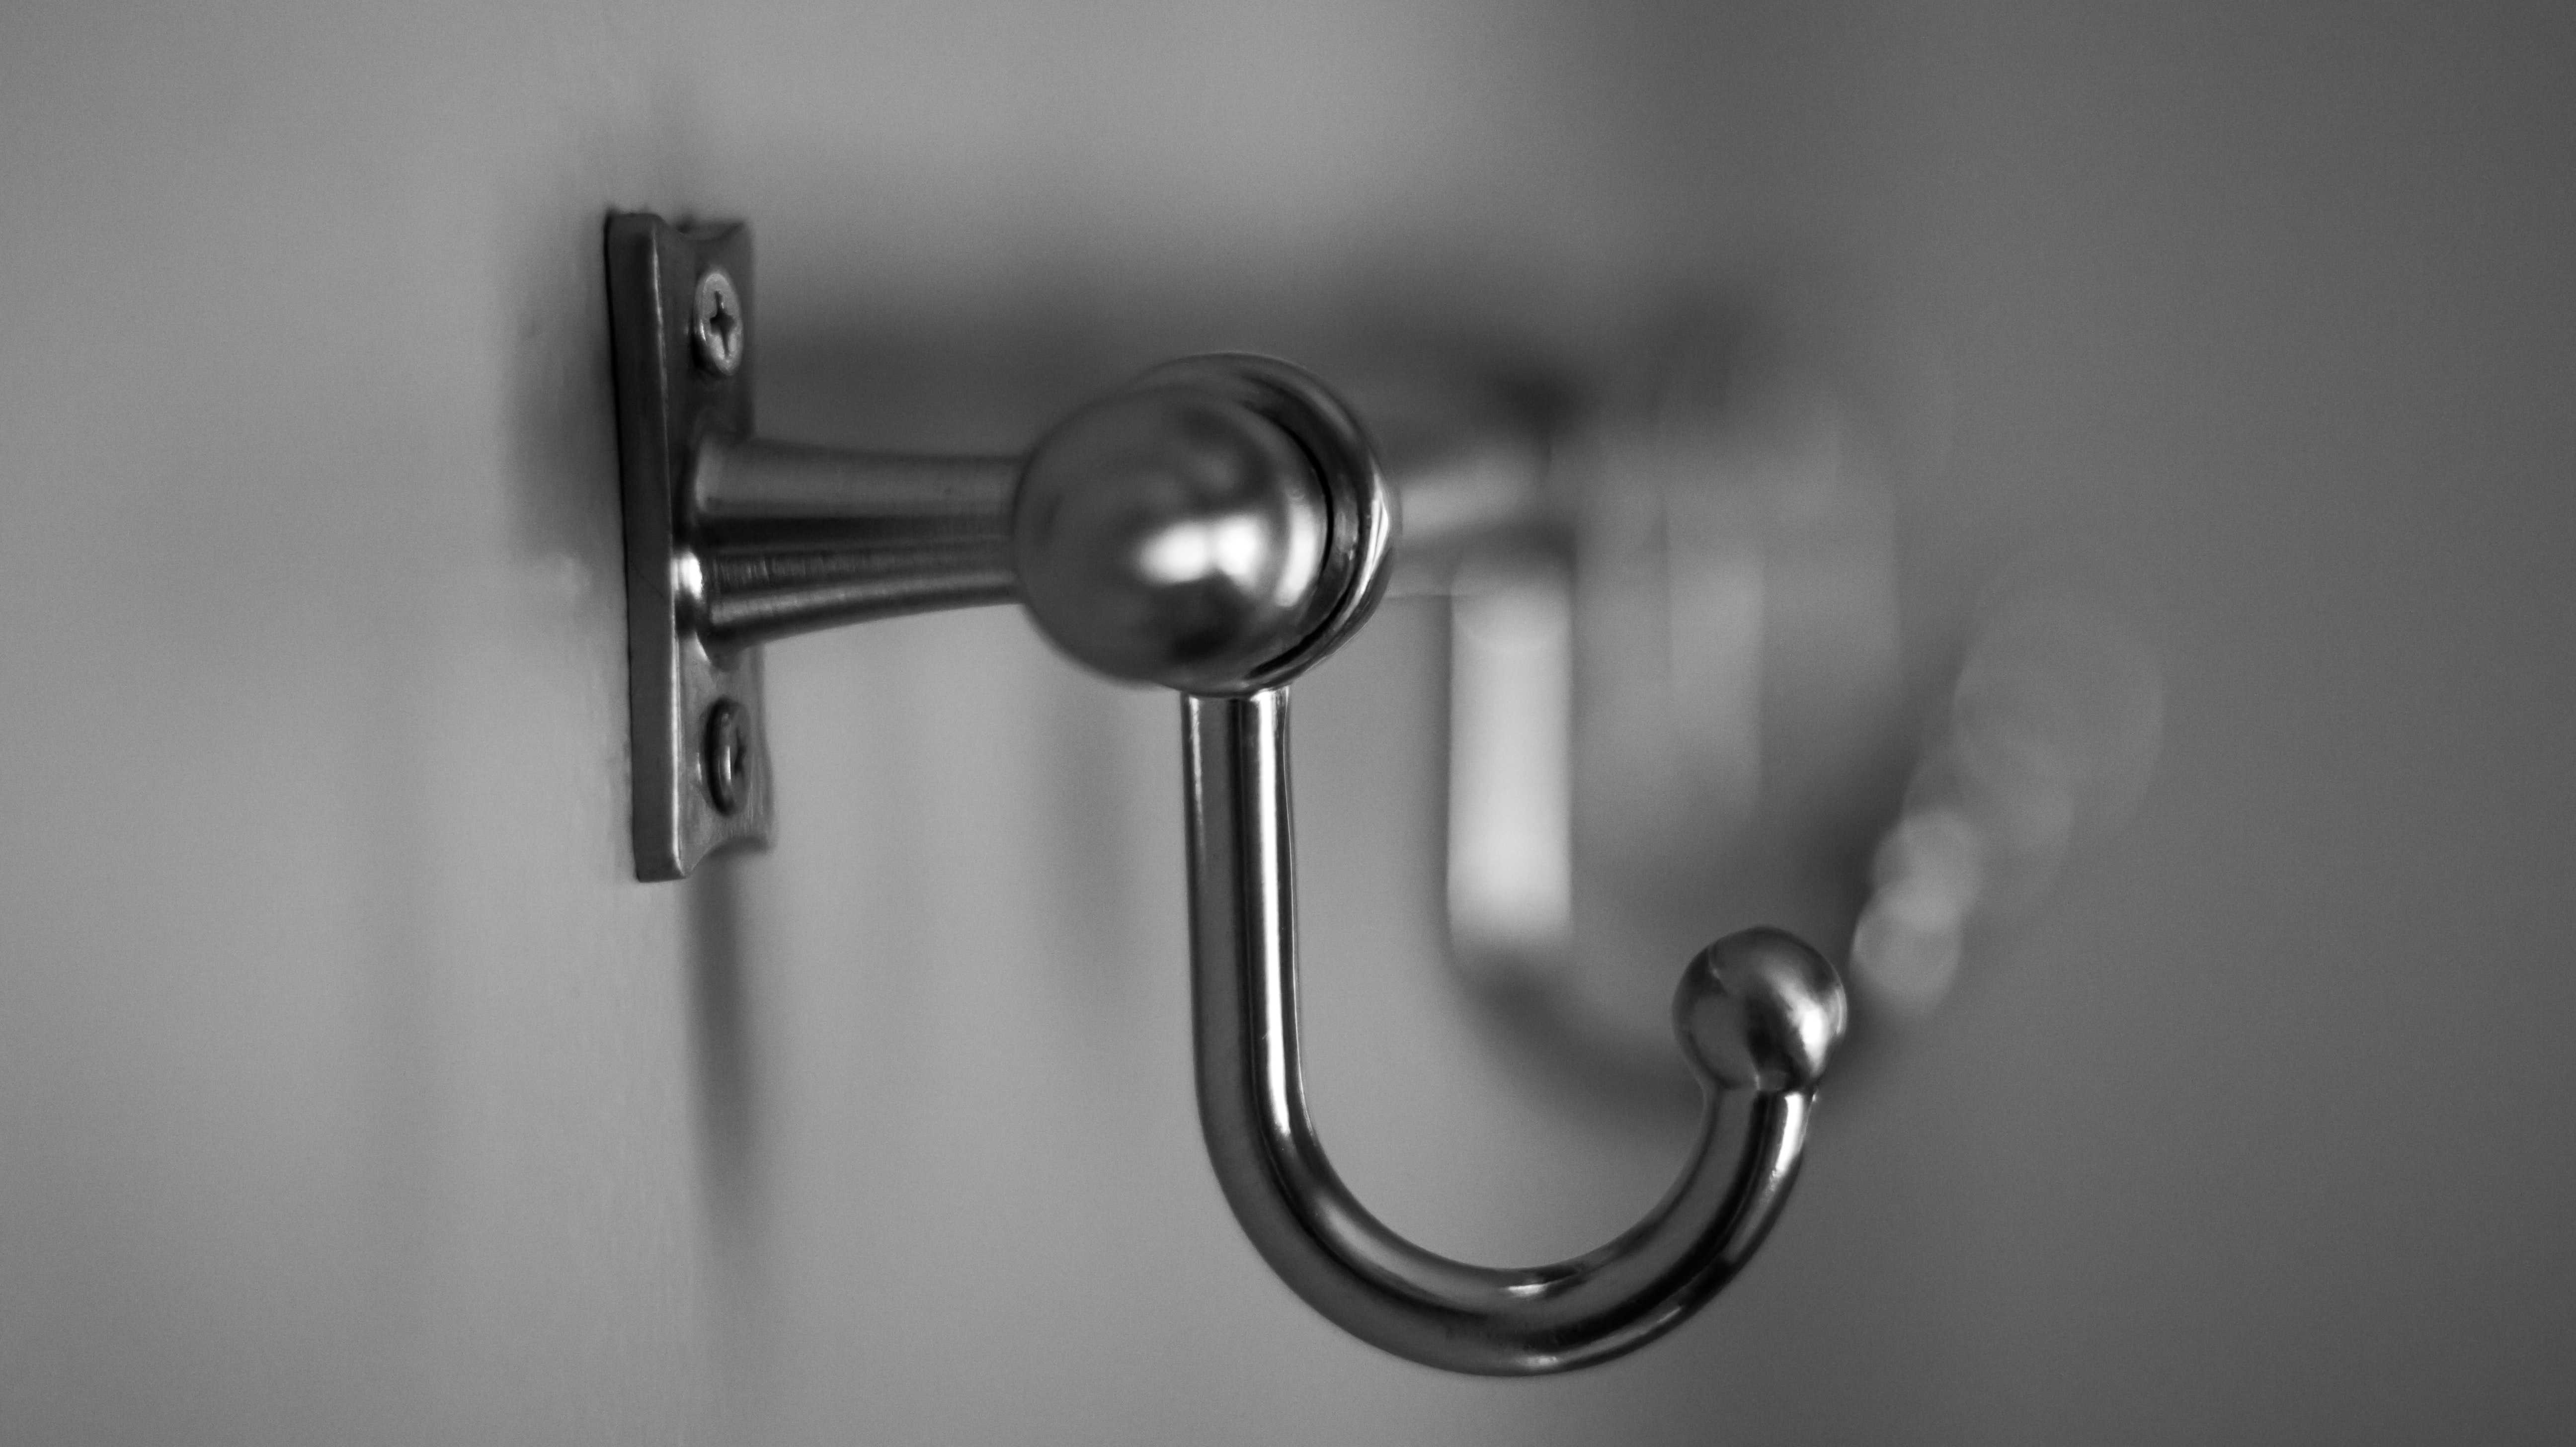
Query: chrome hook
pixel 1757 1014
pixel 1217 527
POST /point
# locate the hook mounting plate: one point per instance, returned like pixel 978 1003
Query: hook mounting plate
pixel 697 722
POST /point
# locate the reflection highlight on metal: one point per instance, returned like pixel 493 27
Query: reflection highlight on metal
pixel 1218 526
pixel 1757 1014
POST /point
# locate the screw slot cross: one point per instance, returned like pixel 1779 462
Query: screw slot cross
pixel 718 328
pixel 727 768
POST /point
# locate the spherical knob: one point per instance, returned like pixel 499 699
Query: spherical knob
pixel 1171 534
pixel 1759 1010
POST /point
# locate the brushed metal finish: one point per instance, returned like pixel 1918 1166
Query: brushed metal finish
pixel 788 538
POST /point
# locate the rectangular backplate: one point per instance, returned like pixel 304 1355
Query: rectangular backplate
pixel 668 401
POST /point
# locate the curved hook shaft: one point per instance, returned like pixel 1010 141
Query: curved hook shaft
pixel 1758 1019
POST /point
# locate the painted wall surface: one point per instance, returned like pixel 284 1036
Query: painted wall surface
pixel 352 1091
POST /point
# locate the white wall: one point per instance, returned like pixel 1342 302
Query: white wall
pixel 351 1091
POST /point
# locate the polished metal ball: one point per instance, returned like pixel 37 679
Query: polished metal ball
pixel 1760 1010
pixel 1171 534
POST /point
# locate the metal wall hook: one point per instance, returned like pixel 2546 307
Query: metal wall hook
pixel 1218 526
pixel 1757 1014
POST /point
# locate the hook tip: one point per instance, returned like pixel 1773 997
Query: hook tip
pixel 1760 1010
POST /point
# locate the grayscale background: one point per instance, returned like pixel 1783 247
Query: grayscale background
pixel 351 1090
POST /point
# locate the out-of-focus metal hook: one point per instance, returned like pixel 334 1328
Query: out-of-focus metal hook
pixel 1217 527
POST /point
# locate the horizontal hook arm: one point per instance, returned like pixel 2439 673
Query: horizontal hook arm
pixel 1757 1013
pixel 790 538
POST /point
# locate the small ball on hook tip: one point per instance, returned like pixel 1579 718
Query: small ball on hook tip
pixel 1759 1010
